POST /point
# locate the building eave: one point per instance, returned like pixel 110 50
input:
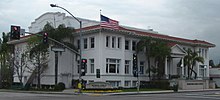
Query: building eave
pixel 138 33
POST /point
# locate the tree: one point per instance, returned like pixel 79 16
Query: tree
pixel 6 52
pixel 190 61
pixel 146 43
pixel 39 51
pixel 21 64
pixel 211 63
pixel 157 49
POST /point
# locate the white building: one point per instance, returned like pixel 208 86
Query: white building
pixel 215 75
pixel 111 52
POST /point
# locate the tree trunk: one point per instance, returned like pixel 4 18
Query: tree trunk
pixel 148 62
pixel 38 73
pixel 193 72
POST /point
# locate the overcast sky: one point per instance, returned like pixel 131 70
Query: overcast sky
pixel 192 19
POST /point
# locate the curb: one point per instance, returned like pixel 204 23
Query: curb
pixel 110 94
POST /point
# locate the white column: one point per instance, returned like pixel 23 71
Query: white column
pixel 166 72
pixel 182 67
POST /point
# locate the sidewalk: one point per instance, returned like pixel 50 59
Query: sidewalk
pixel 71 92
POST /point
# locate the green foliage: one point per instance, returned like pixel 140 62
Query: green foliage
pixel 190 61
pixel 6 62
pixel 156 84
pixel 59 87
pixel 157 49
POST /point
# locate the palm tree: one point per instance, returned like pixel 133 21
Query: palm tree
pixel 159 51
pixel 156 49
pixel 190 61
pixel 146 43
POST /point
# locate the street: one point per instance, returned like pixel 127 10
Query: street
pixel 211 95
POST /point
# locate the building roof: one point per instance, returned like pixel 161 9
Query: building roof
pixel 153 34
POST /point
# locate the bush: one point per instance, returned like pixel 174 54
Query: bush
pixel 156 84
pixel 59 87
pixel 5 85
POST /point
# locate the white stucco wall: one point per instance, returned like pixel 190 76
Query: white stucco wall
pixel 67 63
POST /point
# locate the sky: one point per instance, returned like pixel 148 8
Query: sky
pixel 191 19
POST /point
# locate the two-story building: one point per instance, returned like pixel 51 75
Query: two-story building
pixel 110 53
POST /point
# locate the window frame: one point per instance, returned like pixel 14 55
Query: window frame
pixel 85 43
pixel 112 63
pixel 127 45
pixel 92 42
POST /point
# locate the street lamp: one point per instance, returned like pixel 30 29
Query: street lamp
pixel 80 35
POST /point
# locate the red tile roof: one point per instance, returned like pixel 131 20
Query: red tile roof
pixel 156 35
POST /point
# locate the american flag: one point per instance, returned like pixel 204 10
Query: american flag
pixel 108 23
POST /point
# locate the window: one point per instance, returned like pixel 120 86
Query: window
pixel 113 42
pixel 134 83
pixel 92 65
pixel 92 42
pixel 112 65
pixel 78 44
pixel 107 41
pixel 127 44
pixel 202 71
pixel 133 45
pixel 127 66
pixel 85 43
pixel 141 67
pixel 119 42
pixel 127 83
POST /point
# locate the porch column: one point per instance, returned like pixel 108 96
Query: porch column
pixel 182 67
pixel 166 72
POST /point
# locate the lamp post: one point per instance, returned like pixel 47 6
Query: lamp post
pixel 80 35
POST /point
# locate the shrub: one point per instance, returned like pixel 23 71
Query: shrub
pixel 156 84
pixel 59 87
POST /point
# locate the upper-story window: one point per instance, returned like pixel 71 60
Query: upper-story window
pixel 92 42
pixel 119 42
pixel 113 42
pixel 127 43
pixel 107 41
pixel 133 45
pixel 85 43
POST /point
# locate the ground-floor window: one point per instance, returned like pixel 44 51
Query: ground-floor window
pixel 141 67
pixel 112 65
pixel 134 83
pixel 127 66
pixel 92 69
pixel 202 71
pixel 127 83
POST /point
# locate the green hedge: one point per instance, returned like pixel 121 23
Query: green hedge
pixel 156 84
pixel 59 87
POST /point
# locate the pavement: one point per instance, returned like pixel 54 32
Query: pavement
pixel 71 92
